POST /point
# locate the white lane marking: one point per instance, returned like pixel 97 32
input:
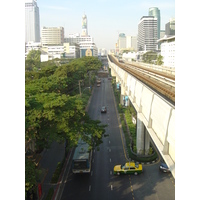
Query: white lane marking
pixel 109 141
pixel 109 150
pixel 111 187
pixel 89 188
pixel 110 159
pixel 91 173
pixel 110 172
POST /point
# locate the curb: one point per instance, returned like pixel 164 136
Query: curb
pixel 124 140
pixel 60 180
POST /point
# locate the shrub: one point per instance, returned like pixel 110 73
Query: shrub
pixel 50 194
pixel 57 172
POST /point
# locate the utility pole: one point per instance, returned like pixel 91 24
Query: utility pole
pixel 79 83
pixel 89 78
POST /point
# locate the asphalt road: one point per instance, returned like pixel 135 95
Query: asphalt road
pixel 101 184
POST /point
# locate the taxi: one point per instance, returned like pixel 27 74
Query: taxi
pixel 128 168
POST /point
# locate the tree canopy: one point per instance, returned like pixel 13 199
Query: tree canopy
pixel 159 60
pixel 152 57
pixel 54 110
pixel 33 60
pixel 51 112
pixel 149 57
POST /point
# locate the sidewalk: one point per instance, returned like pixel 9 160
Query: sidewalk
pixel 50 158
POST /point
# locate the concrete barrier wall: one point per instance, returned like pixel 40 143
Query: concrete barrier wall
pixel 171 135
pixel 146 102
pixel 169 70
pixel 160 117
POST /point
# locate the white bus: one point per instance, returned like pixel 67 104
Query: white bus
pixel 81 162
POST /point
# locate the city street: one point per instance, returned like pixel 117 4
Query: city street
pixel 101 183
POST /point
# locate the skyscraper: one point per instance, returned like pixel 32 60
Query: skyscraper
pixel 32 21
pixel 147 34
pixel 52 36
pixel 170 27
pixel 86 42
pixel 84 26
pixel 156 13
pixel 122 41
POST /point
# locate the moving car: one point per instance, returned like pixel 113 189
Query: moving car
pixel 103 109
pixel 163 167
pixel 98 80
pixel 128 168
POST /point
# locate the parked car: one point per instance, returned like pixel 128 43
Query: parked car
pixel 128 168
pixel 103 109
pixel 163 167
pixel 98 84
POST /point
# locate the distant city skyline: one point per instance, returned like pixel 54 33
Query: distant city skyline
pixel 32 21
pixel 106 18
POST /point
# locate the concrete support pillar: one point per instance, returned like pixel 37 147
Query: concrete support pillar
pixel 113 72
pixel 128 102
pixel 117 79
pixel 124 99
pixel 146 142
pixel 122 96
pixel 143 138
pixel 166 148
pixel 166 143
pixel 140 136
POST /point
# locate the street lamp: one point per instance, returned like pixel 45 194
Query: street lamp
pixel 79 83
pixel 84 89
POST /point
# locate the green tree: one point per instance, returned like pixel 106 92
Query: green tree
pixel 51 114
pixel 34 55
pixel 93 131
pixel 33 60
pixel 159 60
pixel 30 175
pixel 149 56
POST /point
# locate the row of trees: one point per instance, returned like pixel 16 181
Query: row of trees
pixel 152 57
pixel 54 110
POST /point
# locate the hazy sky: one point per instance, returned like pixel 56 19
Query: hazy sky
pixel 106 18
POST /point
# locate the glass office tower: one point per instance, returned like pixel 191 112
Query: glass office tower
pixel 156 13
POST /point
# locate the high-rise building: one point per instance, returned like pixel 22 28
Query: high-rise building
pixel 86 42
pixel 162 33
pixel 84 26
pixel 75 38
pixel 131 42
pixel 170 27
pixel 147 34
pixel 122 41
pixel 128 41
pixel 156 13
pixel 102 52
pixel 168 50
pixel 134 42
pixel 32 21
pixel 52 36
